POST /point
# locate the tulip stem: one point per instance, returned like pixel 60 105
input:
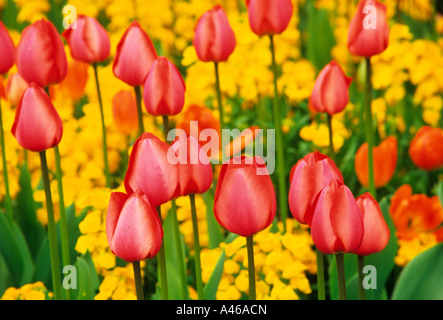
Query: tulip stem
pixel 64 239
pixel 198 269
pixel 361 290
pixel 162 265
pixel 219 99
pixel 8 201
pixel 52 233
pixel 331 138
pixel 102 117
pixel 369 128
pixel 138 98
pixel 320 275
pixel 138 280
pixel 341 276
pixel 165 127
pixel 251 267
pixel 282 192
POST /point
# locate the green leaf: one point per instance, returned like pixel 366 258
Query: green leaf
pixel 440 191
pixel 214 231
pixel 84 289
pixel 211 286
pixel 422 278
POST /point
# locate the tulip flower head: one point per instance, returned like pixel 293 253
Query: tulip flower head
pixel 330 93
pixel 337 222
pixel 15 87
pixel 307 178
pixel 7 52
pixel 268 17
pixel 37 125
pixel 368 30
pixel 426 148
pixel 89 42
pixel 244 201
pixel 124 111
pixel 214 39
pixel 376 235
pixel 134 56
pixel 164 89
pixel 41 56
pixel 133 227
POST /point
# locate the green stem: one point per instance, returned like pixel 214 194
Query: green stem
pixel 198 269
pixel 64 239
pixel 320 275
pixel 8 200
pixel 165 127
pixel 218 91
pixel 52 233
pixel 341 276
pixel 251 267
pixel 370 135
pixel 162 265
pixel 138 280
pixel 138 98
pixel 102 117
pixel 282 192
pixel 361 290
pixel 331 138
pixel 179 245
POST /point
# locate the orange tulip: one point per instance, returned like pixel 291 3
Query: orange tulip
pixel 15 87
pixel 415 213
pixel 385 162
pixel 74 84
pixel 124 110
pixel 426 148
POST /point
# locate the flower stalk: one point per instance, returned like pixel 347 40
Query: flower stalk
pixel 251 267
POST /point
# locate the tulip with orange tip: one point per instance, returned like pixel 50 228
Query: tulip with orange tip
pixel 308 177
pixel 37 125
pixel 268 17
pixel 426 148
pixel 89 42
pixel 330 93
pixel 164 89
pixel 214 39
pixel 376 235
pixel 41 56
pixel 7 52
pixel 133 228
pixel 124 111
pixel 368 33
pixel 385 162
pixel 239 143
pixel 15 86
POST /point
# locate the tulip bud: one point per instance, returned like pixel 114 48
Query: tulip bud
pixel 214 39
pixel 15 87
pixel 385 162
pixel 426 148
pixel 195 170
pixel 124 111
pixel 134 56
pixel 89 42
pixel 74 84
pixel 133 227
pixel 7 52
pixel 164 89
pixel 267 17
pixel 244 201
pixel 368 30
pixel 41 56
pixel 337 222
pixel 308 177
pixel 37 125
pixel 150 170
pixel 376 235
pixel 330 93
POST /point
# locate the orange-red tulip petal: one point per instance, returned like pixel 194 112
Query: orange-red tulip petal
pixel 426 148
pixel 7 52
pixel 268 17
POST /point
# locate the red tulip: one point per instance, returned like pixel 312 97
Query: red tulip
pixel 244 201
pixel 89 42
pixel 7 52
pixel 37 125
pixel 151 171
pixel 134 56
pixel 214 39
pixel 41 56
pixel 376 235
pixel 195 170
pixel 337 222
pixel 368 30
pixel 133 228
pixel 426 148
pixel 330 93
pixel 307 178
pixel 164 89
pixel 268 17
